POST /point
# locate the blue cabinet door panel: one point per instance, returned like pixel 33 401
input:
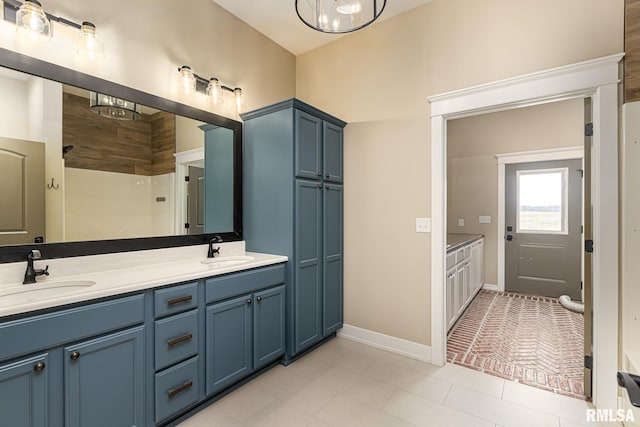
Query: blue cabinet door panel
pixel 307 285
pixel 23 392
pixel 104 381
pixel 268 326
pixel 308 145
pixel 228 342
pixel 332 149
pixel 333 258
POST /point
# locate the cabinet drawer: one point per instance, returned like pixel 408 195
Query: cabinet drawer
pixel 218 288
pixel 451 260
pixel 64 326
pixel 175 299
pixel 176 338
pixel 176 388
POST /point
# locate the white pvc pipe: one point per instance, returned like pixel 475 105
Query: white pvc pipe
pixel 566 302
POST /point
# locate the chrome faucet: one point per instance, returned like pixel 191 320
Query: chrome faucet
pixel 31 273
pixel 212 252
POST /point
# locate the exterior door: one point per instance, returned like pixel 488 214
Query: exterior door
pixel 543 203
pixel 21 191
pixel 195 200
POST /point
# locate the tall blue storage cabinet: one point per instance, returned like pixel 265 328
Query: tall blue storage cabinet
pixel 293 206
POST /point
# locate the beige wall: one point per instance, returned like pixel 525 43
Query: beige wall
pixel 472 168
pixel 146 40
pixel 378 80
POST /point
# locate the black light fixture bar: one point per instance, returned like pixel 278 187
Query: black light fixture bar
pixel 202 84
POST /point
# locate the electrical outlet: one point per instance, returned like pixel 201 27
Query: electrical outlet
pixel 484 219
pixel 460 222
pixel 423 225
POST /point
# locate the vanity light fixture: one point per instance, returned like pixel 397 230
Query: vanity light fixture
pixel 89 41
pixel 112 107
pixel 190 82
pixel 339 16
pixel 33 21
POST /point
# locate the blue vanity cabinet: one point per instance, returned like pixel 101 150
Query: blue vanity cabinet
pixel 245 326
pixel 104 381
pixel 23 392
pixel 229 335
pixel 61 366
pixel 292 188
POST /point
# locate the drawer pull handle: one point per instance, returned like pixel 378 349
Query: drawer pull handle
pixel 75 355
pixel 178 340
pixel 39 366
pixel 183 387
pixel 179 300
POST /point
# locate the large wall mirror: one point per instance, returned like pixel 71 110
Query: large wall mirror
pixel 88 166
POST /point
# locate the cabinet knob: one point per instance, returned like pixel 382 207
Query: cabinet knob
pixel 75 355
pixel 319 174
pixel 259 299
pixel 249 301
pixel 327 176
pixel 39 366
pixel 326 186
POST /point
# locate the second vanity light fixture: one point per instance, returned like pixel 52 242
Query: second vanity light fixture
pixel 35 23
pixel 190 83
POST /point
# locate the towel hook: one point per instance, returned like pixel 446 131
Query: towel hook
pixel 53 186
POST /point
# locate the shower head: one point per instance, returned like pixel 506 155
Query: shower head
pixel 66 149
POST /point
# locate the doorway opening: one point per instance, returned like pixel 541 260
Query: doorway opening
pixel 597 79
pixel 524 207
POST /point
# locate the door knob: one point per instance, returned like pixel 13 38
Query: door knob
pixel 509 237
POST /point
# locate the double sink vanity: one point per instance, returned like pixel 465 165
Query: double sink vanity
pixel 137 338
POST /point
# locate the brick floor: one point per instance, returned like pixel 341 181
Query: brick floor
pixel 529 339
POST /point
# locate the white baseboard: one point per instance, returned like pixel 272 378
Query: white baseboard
pixel 490 287
pixel 386 342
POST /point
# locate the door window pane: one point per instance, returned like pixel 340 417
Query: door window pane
pixel 542 201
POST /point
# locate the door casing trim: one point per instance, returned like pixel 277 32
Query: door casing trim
pixel 598 79
pixel 523 157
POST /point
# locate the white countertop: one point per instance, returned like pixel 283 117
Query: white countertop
pixel 116 274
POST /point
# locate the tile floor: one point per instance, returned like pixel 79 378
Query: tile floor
pixel 530 339
pixel 344 383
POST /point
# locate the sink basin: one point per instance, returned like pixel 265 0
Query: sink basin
pixel 22 294
pixel 227 261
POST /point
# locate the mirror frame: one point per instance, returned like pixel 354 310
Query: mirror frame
pixel 26 64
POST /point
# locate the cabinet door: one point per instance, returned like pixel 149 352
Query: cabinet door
pixel 268 326
pixel 228 343
pixel 308 260
pixel 308 145
pixel 104 381
pixel 468 290
pixel 332 277
pixel 23 392
pixel 459 292
pixel 451 311
pixel 332 137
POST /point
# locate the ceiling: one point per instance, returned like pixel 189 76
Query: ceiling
pixel 277 19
